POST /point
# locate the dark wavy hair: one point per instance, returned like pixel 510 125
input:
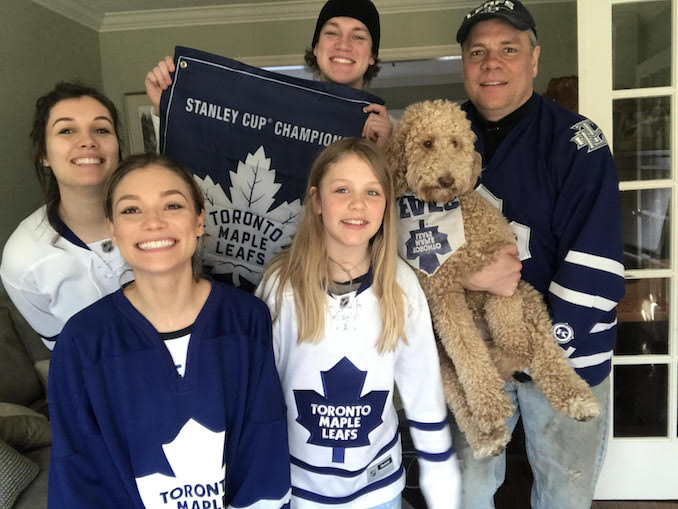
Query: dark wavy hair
pixel 141 161
pixel 312 65
pixel 43 106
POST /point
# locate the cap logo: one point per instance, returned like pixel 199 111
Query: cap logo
pixel 492 6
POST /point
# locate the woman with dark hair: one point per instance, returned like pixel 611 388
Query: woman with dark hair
pixel 165 392
pixel 344 50
pixel 60 258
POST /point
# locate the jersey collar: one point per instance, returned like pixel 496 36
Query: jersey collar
pixel 68 234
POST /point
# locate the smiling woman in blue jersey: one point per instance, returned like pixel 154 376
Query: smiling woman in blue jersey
pixel 165 392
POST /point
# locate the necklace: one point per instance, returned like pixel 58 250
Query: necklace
pixel 349 269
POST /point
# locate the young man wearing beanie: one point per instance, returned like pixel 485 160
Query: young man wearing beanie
pixel 344 50
pixel 551 173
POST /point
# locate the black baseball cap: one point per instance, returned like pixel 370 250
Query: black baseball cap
pixel 511 10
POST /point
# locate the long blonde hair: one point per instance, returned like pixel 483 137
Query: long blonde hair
pixel 305 264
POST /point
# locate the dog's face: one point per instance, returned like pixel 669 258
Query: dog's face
pixel 432 152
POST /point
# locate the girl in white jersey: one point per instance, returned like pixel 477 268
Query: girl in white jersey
pixel 350 319
pixel 60 258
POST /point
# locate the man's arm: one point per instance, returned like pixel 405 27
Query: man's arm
pixel 589 279
pixel 500 277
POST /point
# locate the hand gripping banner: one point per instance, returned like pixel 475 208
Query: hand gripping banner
pixel 250 137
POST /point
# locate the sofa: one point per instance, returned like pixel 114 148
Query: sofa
pixel 25 438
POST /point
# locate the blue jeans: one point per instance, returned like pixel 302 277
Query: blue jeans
pixel 391 504
pixel 566 456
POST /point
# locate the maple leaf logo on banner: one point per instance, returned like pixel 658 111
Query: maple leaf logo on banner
pixel 242 233
pixel 196 457
pixel 342 418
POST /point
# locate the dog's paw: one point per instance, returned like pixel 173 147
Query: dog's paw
pixel 493 444
pixel 583 409
pixel 492 415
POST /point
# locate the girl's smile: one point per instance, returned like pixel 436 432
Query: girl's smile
pixel 156 244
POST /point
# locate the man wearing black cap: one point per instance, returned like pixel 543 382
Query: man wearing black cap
pixel 344 50
pixel 552 175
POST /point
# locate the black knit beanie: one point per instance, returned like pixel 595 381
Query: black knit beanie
pixel 362 10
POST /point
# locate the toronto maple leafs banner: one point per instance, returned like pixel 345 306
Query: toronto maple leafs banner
pixel 250 137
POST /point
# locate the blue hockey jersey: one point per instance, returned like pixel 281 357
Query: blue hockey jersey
pixel 554 179
pixel 129 431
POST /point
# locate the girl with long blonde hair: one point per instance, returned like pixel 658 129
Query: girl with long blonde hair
pixel 349 320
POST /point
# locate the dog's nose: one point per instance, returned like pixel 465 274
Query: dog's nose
pixel 446 181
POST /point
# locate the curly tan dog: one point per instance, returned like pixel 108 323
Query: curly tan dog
pixel 484 338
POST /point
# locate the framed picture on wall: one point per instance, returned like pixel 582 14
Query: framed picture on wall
pixel 138 109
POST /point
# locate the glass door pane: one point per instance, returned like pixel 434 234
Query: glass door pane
pixel 642 138
pixel 641 400
pixel 643 318
pixel 646 228
pixel 641 44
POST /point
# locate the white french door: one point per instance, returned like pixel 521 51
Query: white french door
pixel 627 85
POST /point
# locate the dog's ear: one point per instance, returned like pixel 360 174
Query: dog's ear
pixel 395 156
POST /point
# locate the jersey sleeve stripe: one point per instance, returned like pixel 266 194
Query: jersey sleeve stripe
pixel 581 299
pixel 586 361
pixel 437 457
pixel 428 426
pixel 595 262
pixel 601 326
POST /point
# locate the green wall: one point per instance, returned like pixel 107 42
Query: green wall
pixel 557 35
pixel 39 48
pixel 128 55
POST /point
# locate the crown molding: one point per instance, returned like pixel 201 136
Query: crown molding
pixel 75 10
pixel 249 13
pixel 210 15
pixel 80 12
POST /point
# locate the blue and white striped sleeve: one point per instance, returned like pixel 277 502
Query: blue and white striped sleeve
pixel 589 280
pixel 417 375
